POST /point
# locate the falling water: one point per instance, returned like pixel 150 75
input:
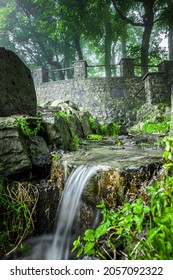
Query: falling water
pixel 77 181
pixel 58 245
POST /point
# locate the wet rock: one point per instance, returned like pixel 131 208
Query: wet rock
pixel 58 133
pixel 86 125
pixel 14 157
pixel 46 207
pixel 18 94
pixel 40 155
pixel 66 106
pixel 78 121
pixel 129 170
pixel 153 112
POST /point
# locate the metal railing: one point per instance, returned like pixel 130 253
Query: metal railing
pixel 93 71
pixel 58 74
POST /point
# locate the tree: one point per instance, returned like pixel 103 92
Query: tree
pixel 56 32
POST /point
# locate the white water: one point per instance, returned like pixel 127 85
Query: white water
pixel 59 249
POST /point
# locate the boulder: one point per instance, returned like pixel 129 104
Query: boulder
pixel 18 94
pixel 13 152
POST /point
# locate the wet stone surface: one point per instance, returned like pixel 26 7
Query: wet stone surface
pixel 118 153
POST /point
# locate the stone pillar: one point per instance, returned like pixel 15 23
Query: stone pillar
pixel 166 67
pixel 127 67
pixel 39 75
pixel 80 69
pixel 156 89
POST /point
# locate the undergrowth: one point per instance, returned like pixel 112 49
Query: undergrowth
pixel 17 204
pixel 138 230
pixel 111 129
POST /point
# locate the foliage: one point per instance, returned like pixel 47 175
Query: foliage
pixel 159 126
pixel 95 137
pixel 25 126
pixel 17 206
pixel 52 33
pixel 168 154
pixel 111 129
pixel 156 127
pixel 55 157
pixel 92 123
pixel 138 230
pixel 62 114
pixel 74 143
pixel 103 129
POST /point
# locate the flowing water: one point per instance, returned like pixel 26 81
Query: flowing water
pixel 59 245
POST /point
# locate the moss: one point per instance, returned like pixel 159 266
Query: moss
pixel 94 137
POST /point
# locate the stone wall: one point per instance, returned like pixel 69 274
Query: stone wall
pixel 114 98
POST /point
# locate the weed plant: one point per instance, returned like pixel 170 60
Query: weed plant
pixel 111 129
pixel 17 206
pixel 139 230
pixel 25 126
pixel 92 123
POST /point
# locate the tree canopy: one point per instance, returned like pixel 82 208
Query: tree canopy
pixel 54 33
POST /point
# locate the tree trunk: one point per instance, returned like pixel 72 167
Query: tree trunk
pixel 108 43
pixel 148 20
pixel 124 47
pixel 170 43
pixel 145 49
pixel 78 47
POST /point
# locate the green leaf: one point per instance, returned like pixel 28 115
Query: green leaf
pixel 138 206
pixel 152 233
pixel 138 220
pixel 80 252
pixel 76 244
pixel 146 209
pixel 88 247
pixel 102 229
pixel 89 235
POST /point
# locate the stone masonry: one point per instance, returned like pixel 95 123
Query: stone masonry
pixel 107 99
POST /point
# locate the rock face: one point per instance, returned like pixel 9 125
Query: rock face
pixel 13 152
pixel 63 121
pixel 17 90
pixel 40 155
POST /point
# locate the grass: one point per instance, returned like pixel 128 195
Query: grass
pixel 17 205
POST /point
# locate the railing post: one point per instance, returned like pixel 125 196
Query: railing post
pixel 127 67
pixel 166 67
pixel 39 75
pixel 80 69
pixel 156 88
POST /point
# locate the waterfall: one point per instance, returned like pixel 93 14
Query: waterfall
pixel 77 181
pixel 58 246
